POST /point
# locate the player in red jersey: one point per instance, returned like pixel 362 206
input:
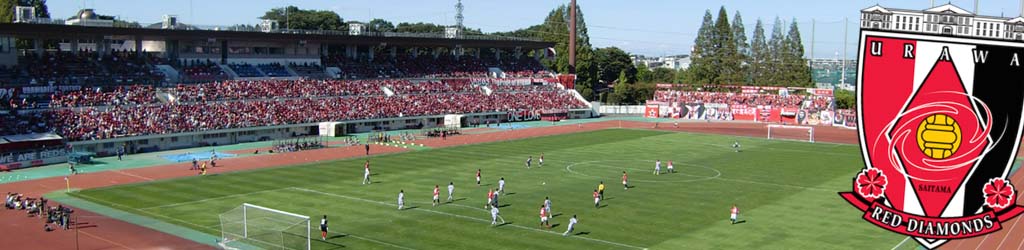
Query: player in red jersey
pixel 478 177
pixel 490 198
pixel 733 212
pixel 625 181
pixel 544 217
pixel 597 199
pixel 437 192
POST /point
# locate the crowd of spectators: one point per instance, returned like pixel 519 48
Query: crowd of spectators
pixel 105 96
pixel 129 67
pixel 202 71
pixel 116 121
pixel 431 86
pixel 16 124
pixel 750 99
pixel 84 68
pixel 263 89
pixel 522 87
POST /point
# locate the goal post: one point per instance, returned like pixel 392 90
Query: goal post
pixel 265 227
pixel 791 132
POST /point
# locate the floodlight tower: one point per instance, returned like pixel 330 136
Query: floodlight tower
pixel 458 14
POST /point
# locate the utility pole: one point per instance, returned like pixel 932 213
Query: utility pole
pixel 572 37
pixel 843 77
pixel 810 62
pixel 458 15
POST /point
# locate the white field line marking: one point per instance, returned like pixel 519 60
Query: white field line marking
pixel 1008 233
pixel 901 243
pixel 217 227
pixel 463 217
pixel 214 198
pixel 775 184
pixel 711 178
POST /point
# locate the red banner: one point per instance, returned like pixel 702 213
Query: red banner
pixel 743 113
pixel 932 227
pixel 821 92
pixel 652 111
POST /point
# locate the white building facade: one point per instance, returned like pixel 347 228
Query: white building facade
pixel 947 19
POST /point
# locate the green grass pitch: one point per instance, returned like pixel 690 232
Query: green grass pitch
pixel 786 192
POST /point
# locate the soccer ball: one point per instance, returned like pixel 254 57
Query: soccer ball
pixel 543 183
pixel 938 136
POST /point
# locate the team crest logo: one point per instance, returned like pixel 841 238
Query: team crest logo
pixel 940 126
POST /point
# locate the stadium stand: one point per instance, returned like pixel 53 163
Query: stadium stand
pixel 274 70
pixel 117 121
pixel 245 70
pixel 202 71
pixel 308 70
pixel 105 96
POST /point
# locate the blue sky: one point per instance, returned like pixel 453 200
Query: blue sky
pixel 648 27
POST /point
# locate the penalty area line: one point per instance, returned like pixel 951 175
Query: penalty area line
pixel 462 216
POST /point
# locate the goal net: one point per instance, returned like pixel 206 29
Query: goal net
pixel 790 132
pixel 265 228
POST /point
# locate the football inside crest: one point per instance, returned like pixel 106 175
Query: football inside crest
pixel 938 136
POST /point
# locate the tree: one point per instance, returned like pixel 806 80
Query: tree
pixel 777 49
pixel 419 27
pixel 292 17
pixel 555 29
pixel 611 61
pixel 41 10
pixel 760 56
pixel 380 25
pixel 643 74
pixel 726 60
pixel 663 75
pixel 799 74
pixel 7 10
pixel 845 99
pixel 623 93
pixel 702 65
pixel 743 54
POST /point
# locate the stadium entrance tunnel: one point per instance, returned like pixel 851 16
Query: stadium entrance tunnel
pixel 642 171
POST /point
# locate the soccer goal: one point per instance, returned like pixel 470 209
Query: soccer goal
pixel 790 132
pixel 265 228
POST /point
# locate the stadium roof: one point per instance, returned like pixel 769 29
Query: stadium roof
pixel 54 31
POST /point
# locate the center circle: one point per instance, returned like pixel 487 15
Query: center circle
pixel 641 167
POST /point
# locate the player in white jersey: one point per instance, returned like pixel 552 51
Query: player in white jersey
pixel 366 173
pixel 547 206
pixel 495 217
pixel 451 191
pixel 572 224
pixel 501 185
pixel 657 167
pixel 401 199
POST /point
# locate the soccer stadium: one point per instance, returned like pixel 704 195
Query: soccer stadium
pixel 322 128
